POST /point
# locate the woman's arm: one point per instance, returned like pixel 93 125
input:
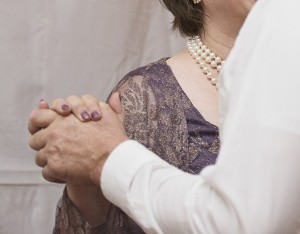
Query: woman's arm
pixel 80 206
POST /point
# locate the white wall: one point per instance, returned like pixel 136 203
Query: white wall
pixel 52 49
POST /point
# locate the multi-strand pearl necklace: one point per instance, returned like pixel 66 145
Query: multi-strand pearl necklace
pixel 205 57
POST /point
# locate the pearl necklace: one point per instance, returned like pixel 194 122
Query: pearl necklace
pixel 205 57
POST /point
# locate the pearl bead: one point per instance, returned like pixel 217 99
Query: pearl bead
pixel 205 70
pixel 207 60
pixel 209 75
pixel 213 64
pixel 203 56
pixel 218 60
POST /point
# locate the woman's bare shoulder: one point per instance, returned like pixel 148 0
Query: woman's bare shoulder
pixel 180 60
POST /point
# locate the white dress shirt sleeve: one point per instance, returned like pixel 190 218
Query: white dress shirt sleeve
pixel 255 185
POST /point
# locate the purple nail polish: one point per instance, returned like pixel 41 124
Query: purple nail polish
pixel 65 107
pixel 85 116
pixel 95 115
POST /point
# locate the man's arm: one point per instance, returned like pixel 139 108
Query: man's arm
pixel 254 187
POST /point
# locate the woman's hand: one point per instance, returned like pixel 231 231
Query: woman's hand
pixel 86 107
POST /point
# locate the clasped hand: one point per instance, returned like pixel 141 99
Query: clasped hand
pixel 73 138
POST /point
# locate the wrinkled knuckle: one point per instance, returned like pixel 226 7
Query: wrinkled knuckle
pixel 46 174
pixel 51 165
pixel 51 150
pixel 34 143
pixel 54 134
pixel 54 166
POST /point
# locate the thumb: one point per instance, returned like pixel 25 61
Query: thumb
pixel 116 105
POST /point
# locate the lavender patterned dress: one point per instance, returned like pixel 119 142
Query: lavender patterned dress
pixel 160 116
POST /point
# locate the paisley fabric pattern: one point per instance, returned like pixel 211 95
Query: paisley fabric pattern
pixel 159 115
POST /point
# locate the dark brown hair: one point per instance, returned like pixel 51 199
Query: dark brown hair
pixel 188 17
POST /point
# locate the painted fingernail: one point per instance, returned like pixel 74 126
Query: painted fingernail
pixel 85 116
pixel 95 115
pixel 65 107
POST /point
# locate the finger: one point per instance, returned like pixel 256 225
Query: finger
pixel 116 105
pixel 38 140
pixel 79 109
pixel 61 107
pixel 40 119
pixel 47 174
pixel 43 104
pixel 92 104
pixel 40 159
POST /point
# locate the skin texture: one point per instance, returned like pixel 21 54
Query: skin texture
pixel 71 151
pixel 65 162
pixel 74 153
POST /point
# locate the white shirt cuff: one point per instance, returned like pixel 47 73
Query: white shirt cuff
pixel 121 167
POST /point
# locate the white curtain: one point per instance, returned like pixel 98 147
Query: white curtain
pixel 51 49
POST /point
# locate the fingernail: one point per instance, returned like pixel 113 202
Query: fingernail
pixel 85 116
pixel 95 115
pixel 42 100
pixel 65 107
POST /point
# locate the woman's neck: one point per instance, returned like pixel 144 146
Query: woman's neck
pixel 220 36
pixel 219 42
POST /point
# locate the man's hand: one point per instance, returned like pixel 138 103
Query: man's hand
pixel 72 151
